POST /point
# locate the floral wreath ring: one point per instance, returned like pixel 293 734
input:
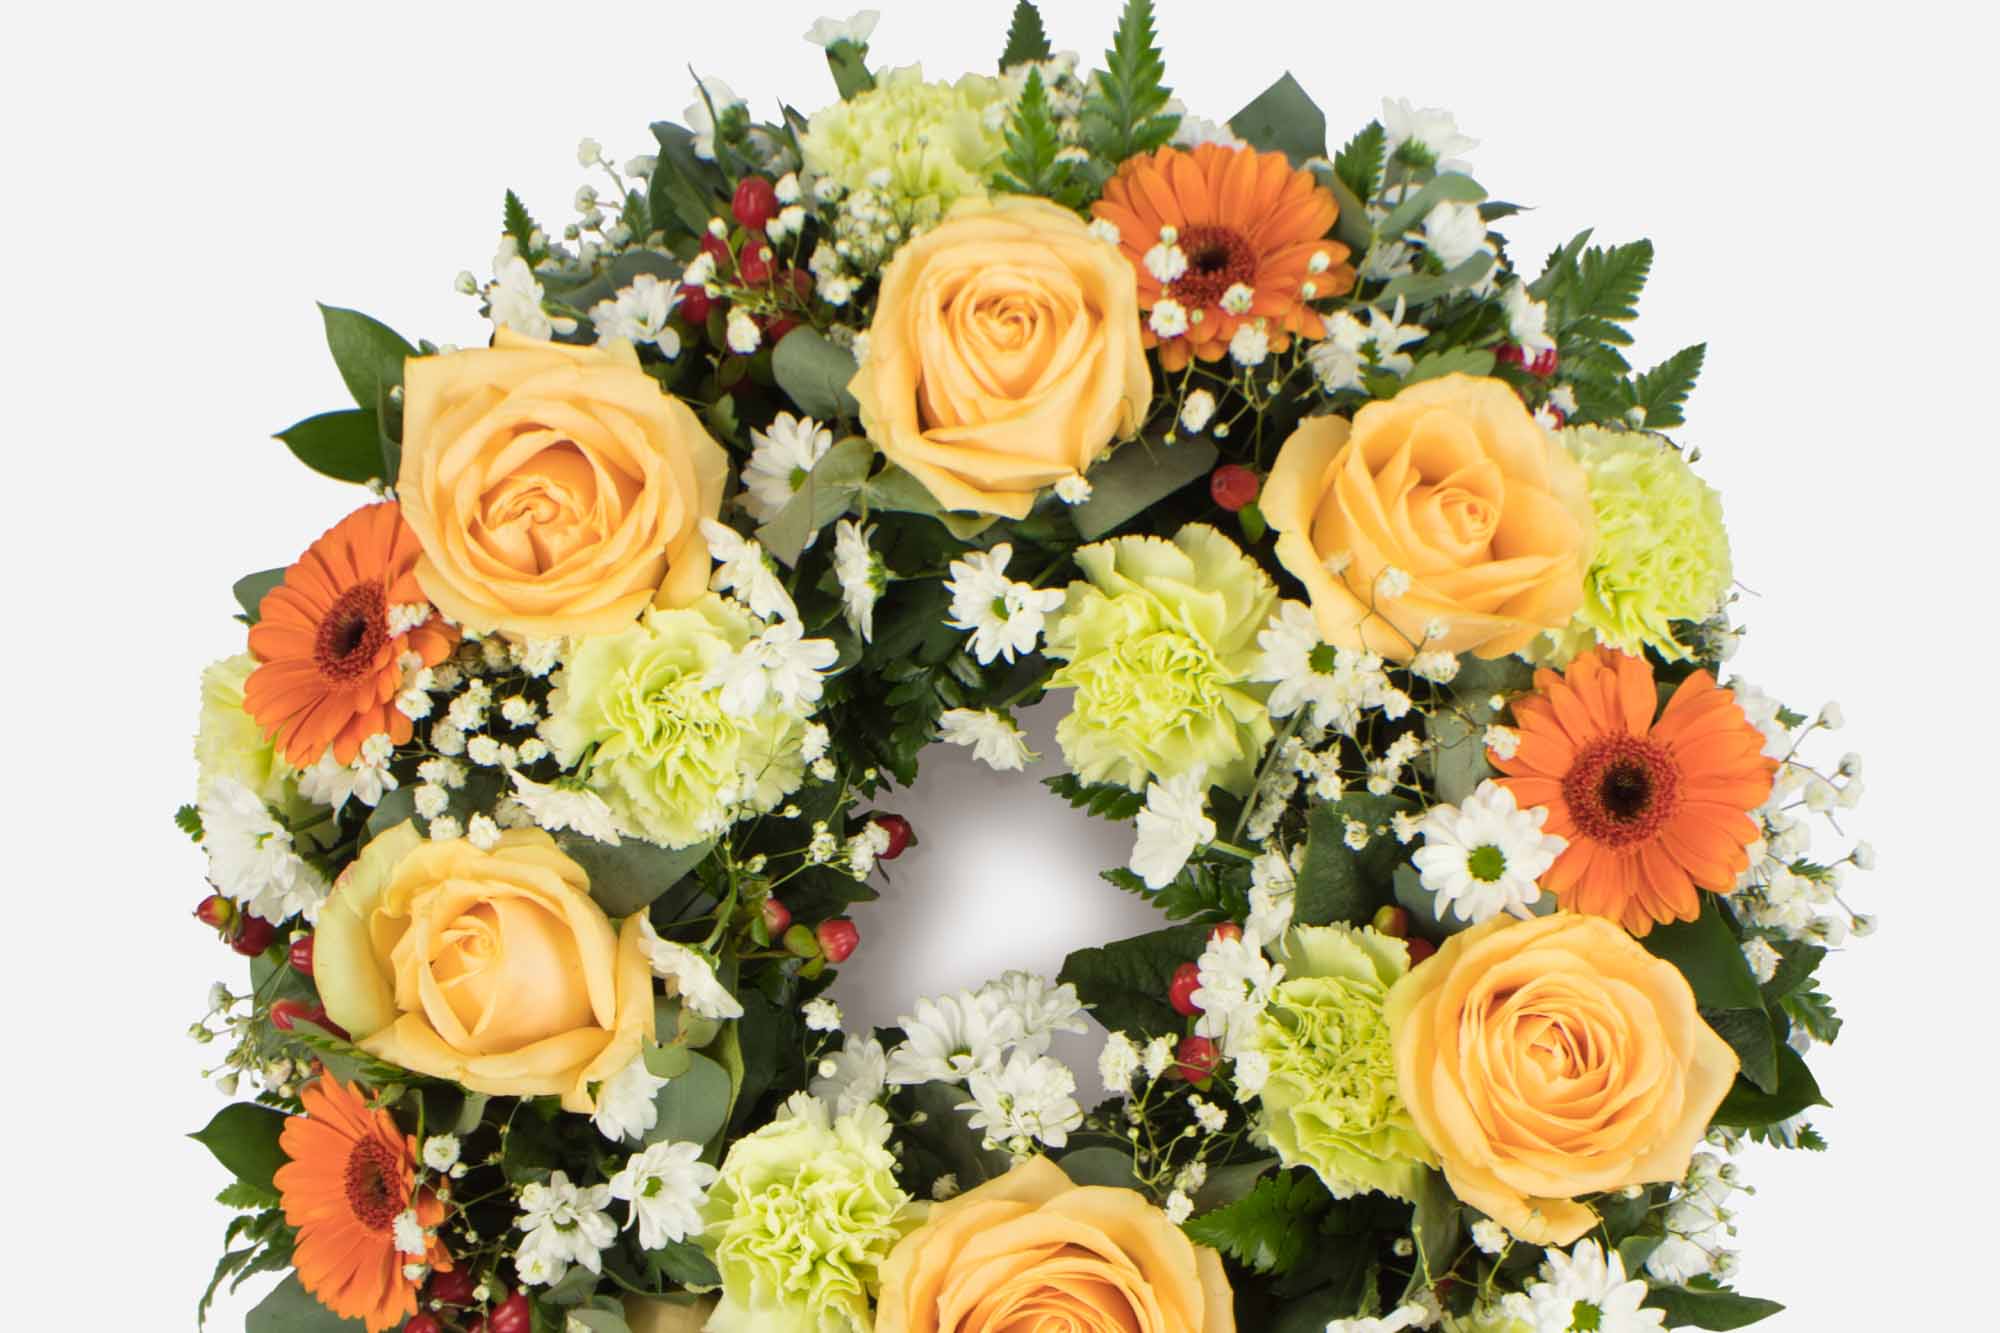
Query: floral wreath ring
pixel 1382 608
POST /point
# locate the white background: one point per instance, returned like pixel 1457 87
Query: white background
pixel 183 181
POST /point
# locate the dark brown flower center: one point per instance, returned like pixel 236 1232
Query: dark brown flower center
pixel 352 633
pixel 375 1191
pixel 1621 789
pixel 1218 258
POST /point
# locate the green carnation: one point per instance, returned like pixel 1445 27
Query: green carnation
pixel 1331 1101
pixel 638 711
pixel 1159 644
pixel 936 142
pixel 229 743
pixel 804 1213
pixel 1662 552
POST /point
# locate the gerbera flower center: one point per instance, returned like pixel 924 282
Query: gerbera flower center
pixel 375 1185
pixel 352 632
pixel 1622 789
pixel 1218 258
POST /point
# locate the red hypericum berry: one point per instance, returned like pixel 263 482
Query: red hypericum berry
pixel 777 917
pixel 776 329
pixel 422 1323
pixel 253 935
pixel 717 248
pixel 755 204
pixel 1420 949
pixel 1233 486
pixel 1180 991
pixel 901 835
pixel 838 939
pixel 453 1288
pixel 756 263
pixel 300 955
pixel 1511 354
pixel 1228 930
pixel 511 1316
pixel 694 303
pixel 1392 921
pixel 1195 1059
pixel 1544 365
pixel 284 1013
pixel 215 912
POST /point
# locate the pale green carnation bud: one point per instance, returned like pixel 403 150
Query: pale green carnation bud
pixel 936 142
pixel 664 754
pixel 804 1213
pixel 1159 645
pixel 229 744
pixel 1331 1102
pixel 1662 553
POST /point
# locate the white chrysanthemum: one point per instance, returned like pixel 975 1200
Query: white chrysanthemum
pixel 1237 981
pixel 1031 1097
pixel 830 32
pixel 640 314
pixel 781 458
pixel 708 92
pixel 1587 1277
pixel 853 1076
pixel 693 976
pixel 1338 685
pixel 744 569
pixel 1004 617
pixel 666 1186
pixel 995 740
pixel 1401 1318
pixel 779 662
pixel 565 1224
pixel 947 1039
pixel 1454 233
pixel 626 1108
pixel 1431 129
pixel 556 808
pixel 1527 320
pixel 251 859
pixel 367 780
pixel 1174 823
pixel 1486 856
pixel 1194 130
pixel 1031 1011
pixel 861 573
pixel 1273 894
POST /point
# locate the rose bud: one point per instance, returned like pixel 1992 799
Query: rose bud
pixel 901 835
pixel 253 935
pixel 755 204
pixel 838 939
pixel 1180 991
pixel 215 911
pixel 1233 486
pixel 1195 1059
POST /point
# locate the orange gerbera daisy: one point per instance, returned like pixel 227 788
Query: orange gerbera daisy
pixel 1653 809
pixel 352 1173
pixel 330 648
pixel 1249 244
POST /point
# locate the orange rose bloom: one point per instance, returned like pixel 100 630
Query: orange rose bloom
pixel 557 490
pixel 1452 484
pixel 1252 231
pixel 1653 810
pixel 1030 1252
pixel 331 661
pixel 1552 1058
pixel 351 1173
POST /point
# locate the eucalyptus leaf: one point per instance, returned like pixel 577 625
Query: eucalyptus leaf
pixel 1351 227
pixel 1283 118
pixel 822 497
pixel 250 589
pixel 693 1106
pixel 627 878
pixel 244 1138
pixel 368 353
pixel 899 492
pixel 1100 1166
pixel 1417 288
pixel 344 445
pixel 290 1308
pixel 1137 476
pixel 814 373
pixel 1450 188
pixel 1458 758
pixel 394 807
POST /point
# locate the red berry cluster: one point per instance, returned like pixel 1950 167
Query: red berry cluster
pixel 750 262
pixel 1513 354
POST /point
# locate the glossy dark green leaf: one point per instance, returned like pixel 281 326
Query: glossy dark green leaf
pixel 244 1138
pixel 627 878
pixel 249 592
pixel 1283 118
pixel 1100 1166
pixel 368 353
pixel 1709 955
pixel 344 445
pixel 1748 1107
pixel 1125 983
pixel 290 1308
pixel 1695 1307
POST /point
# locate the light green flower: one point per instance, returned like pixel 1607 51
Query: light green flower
pixel 936 142
pixel 805 1211
pixel 1331 1102
pixel 229 743
pixel 1662 552
pixel 1159 645
pixel 636 709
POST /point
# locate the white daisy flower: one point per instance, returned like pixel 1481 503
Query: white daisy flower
pixel 626 1108
pixel 1454 233
pixel 781 458
pixel 947 1039
pixel 1588 1278
pixel 780 662
pixel 708 92
pixel 514 299
pixel 1237 981
pixel 1431 129
pixel 251 858
pixel 1031 1097
pixel 1004 617
pixel 1033 1010
pixel 1484 857
pixel 993 737
pixel 640 314
pixel 743 568
pixel 666 1186
pixel 858 29
pixel 565 1224
pixel 690 975
pixel 863 576
pixel 853 1076
pixel 556 808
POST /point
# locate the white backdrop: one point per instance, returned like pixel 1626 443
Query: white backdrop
pixel 185 180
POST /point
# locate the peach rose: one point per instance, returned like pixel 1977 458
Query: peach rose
pixel 1452 483
pixel 493 969
pixel 1551 1058
pixel 1032 1253
pixel 1005 355
pixel 556 489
